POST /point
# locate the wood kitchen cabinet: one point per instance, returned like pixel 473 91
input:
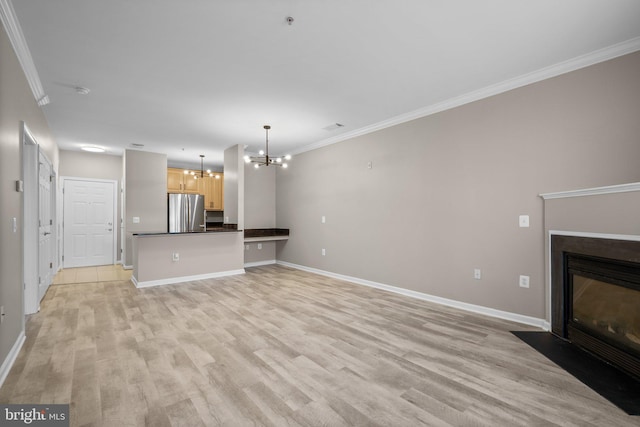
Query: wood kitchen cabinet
pixel 213 192
pixel 179 182
pixel 211 187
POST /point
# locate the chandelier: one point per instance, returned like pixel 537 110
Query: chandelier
pixel 202 171
pixel 263 159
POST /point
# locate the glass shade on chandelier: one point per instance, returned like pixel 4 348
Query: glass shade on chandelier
pixel 263 158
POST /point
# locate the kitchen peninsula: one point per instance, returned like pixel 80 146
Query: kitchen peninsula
pixel 165 258
pixel 246 234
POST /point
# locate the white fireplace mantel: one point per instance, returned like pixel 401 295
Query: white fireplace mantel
pixel 621 188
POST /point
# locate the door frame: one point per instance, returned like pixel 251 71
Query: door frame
pixel 52 208
pixel 30 212
pixel 114 229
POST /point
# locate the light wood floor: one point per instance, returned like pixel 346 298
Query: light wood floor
pixel 103 273
pixel 281 347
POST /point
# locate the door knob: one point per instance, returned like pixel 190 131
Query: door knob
pixel 46 233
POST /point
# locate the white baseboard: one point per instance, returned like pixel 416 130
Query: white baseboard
pixel 127 267
pixel 11 357
pixel 505 315
pixel 259 263
pixel 183 279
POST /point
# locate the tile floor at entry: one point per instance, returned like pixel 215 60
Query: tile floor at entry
pixel 101 273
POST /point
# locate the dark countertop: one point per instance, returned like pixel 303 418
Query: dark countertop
pixel 266 232
pixel 215 230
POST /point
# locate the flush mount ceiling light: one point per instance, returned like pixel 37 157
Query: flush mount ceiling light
pixel 263 159
pixel 93 149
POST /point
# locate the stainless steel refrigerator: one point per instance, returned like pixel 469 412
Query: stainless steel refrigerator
pixel 186 213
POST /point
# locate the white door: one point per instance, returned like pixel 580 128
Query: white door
pixel 30 214
pixel 45 226
pixel 88 223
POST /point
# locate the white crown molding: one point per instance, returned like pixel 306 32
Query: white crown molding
pixel 478 309
pixel 611 189
pixel 582 61
pixel 14 31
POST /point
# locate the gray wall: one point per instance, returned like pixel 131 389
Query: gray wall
pixel 445 191
pixel 617 213
pixel 234 186
pixel 16 104
pixel 260 210
pixel 260 197
pixel 266 253
pixel 79 164
pixel 145 190
pixel 205 254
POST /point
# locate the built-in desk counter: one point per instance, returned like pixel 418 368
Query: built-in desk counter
pixel 165 258
pixel 265 234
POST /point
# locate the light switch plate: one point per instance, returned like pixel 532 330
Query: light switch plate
pixel 524 281
pixel 523 220
pixel 136 219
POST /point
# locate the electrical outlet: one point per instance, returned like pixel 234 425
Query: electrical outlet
pixel 176 256
pixel 259 246
pixel 477 274
pixel 323 219
pixel 136 220
pixel 524 281
pixel 324 252
pixel 370 165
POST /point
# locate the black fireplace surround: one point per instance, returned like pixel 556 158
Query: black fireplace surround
pixel 595 297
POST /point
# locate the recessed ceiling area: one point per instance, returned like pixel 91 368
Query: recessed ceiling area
pixel 195 77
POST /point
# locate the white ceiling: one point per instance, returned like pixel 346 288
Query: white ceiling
pixel 197 76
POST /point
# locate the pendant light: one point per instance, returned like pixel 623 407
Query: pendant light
pixel 264 159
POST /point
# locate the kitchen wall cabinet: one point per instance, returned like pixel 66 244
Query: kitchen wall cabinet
pixel 213 192
pixel 179 182
pixel 211 187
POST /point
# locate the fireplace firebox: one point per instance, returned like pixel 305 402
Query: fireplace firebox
pixel 596 297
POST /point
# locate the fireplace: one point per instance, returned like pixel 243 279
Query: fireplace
pixel 595 297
